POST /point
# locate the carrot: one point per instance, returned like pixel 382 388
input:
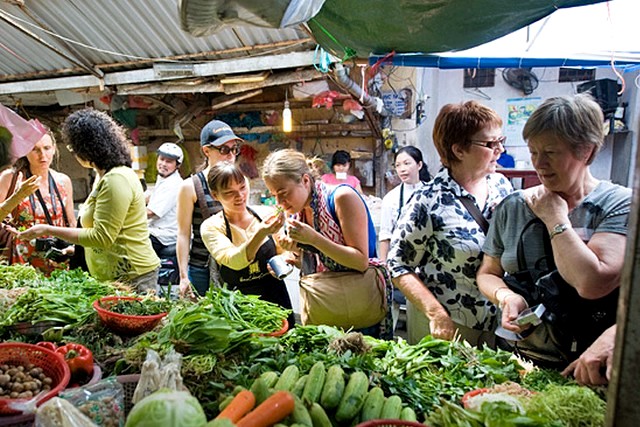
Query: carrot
pixel 241 404
pixel 275 408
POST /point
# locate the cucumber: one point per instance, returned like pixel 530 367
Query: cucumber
pixel 333 387
pixel 314 384
pixel 220 422
pixel 270 378
pixel 288 378
pixel 319 417
pixel 225 402
pixel 237 389
pixel 408 414
pixel 353 397
pixel 391 408
pixel 298 387
pixel 300 414
pixel 260 390
pixel 373 403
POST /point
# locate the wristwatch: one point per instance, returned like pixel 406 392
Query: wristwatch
pixel 558 229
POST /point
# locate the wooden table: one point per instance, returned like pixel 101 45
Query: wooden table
pixel 524 177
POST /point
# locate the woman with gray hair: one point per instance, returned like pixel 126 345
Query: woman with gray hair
pixel 572 221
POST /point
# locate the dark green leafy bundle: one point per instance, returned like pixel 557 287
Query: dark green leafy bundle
pixel 424 373
pixel 493 414
pixel 572 405
pixel 194 329
pixel 66 297
pixel 244 312
pixel 144 307
pixel 18 275
pixel 539 379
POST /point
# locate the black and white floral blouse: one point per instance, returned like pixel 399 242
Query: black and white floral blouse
pixel 437 238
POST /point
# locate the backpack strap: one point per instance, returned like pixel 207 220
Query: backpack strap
pixel 198 184
pixel 331 204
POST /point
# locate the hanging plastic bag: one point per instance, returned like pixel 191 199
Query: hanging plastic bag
pixel 157 374
pixel 26 133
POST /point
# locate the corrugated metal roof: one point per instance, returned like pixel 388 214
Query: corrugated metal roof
pixel 118 35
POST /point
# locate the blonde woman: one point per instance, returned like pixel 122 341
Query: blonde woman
pixel 320 240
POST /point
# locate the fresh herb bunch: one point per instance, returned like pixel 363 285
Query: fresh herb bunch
pixel 144 307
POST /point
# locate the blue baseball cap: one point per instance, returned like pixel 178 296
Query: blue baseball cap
pixel 217 133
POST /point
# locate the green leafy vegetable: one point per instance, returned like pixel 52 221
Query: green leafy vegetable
pixel 573 405
pixel 144 307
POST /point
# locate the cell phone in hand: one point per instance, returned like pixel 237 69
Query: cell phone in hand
pixel 531 316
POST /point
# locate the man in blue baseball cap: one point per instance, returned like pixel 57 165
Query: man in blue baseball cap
pixel 195 204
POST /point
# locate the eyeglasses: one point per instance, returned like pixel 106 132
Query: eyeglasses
pixel 494 144
pixel 225 149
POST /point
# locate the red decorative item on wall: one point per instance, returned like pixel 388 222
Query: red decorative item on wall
pixel 247 161
pixel 325 99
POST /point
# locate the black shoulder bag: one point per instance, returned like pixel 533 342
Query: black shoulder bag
pixel 475 213
pixel 570 323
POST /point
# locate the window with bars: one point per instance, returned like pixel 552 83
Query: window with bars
pixel 576 74
pixel 479 77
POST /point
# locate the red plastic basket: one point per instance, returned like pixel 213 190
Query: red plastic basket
pixel 391 423
pixel 124 323
pixel 52 364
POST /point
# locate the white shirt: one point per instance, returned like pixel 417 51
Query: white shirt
pixel 389 209
pixel 162 202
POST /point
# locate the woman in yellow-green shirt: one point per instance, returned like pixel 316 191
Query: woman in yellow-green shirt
pixel 114 219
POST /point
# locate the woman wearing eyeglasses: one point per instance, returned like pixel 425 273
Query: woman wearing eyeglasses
pixel 573 220
pixel 438 235
pixel 195 204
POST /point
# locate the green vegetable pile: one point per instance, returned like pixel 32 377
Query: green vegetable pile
pixel 424 373
pixel 17 275
pixel 66 297
pixel 144 307
pixel 555 406
pixel 244 312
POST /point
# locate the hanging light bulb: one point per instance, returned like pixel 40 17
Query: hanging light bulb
pixel 286 115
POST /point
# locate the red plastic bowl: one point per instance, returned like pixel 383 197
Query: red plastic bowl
pixel 468 395
pixel 124 323
pixel 52 364
pixel 281 331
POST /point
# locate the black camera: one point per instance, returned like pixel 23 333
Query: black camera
pixel 53 248
pixel 43 244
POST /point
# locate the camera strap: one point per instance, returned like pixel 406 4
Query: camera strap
pixel 52 194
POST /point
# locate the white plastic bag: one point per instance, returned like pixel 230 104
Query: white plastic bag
pixel 58 412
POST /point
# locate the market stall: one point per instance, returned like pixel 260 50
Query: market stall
pixel 226 358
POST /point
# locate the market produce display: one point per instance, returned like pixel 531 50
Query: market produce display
pixel 314 376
